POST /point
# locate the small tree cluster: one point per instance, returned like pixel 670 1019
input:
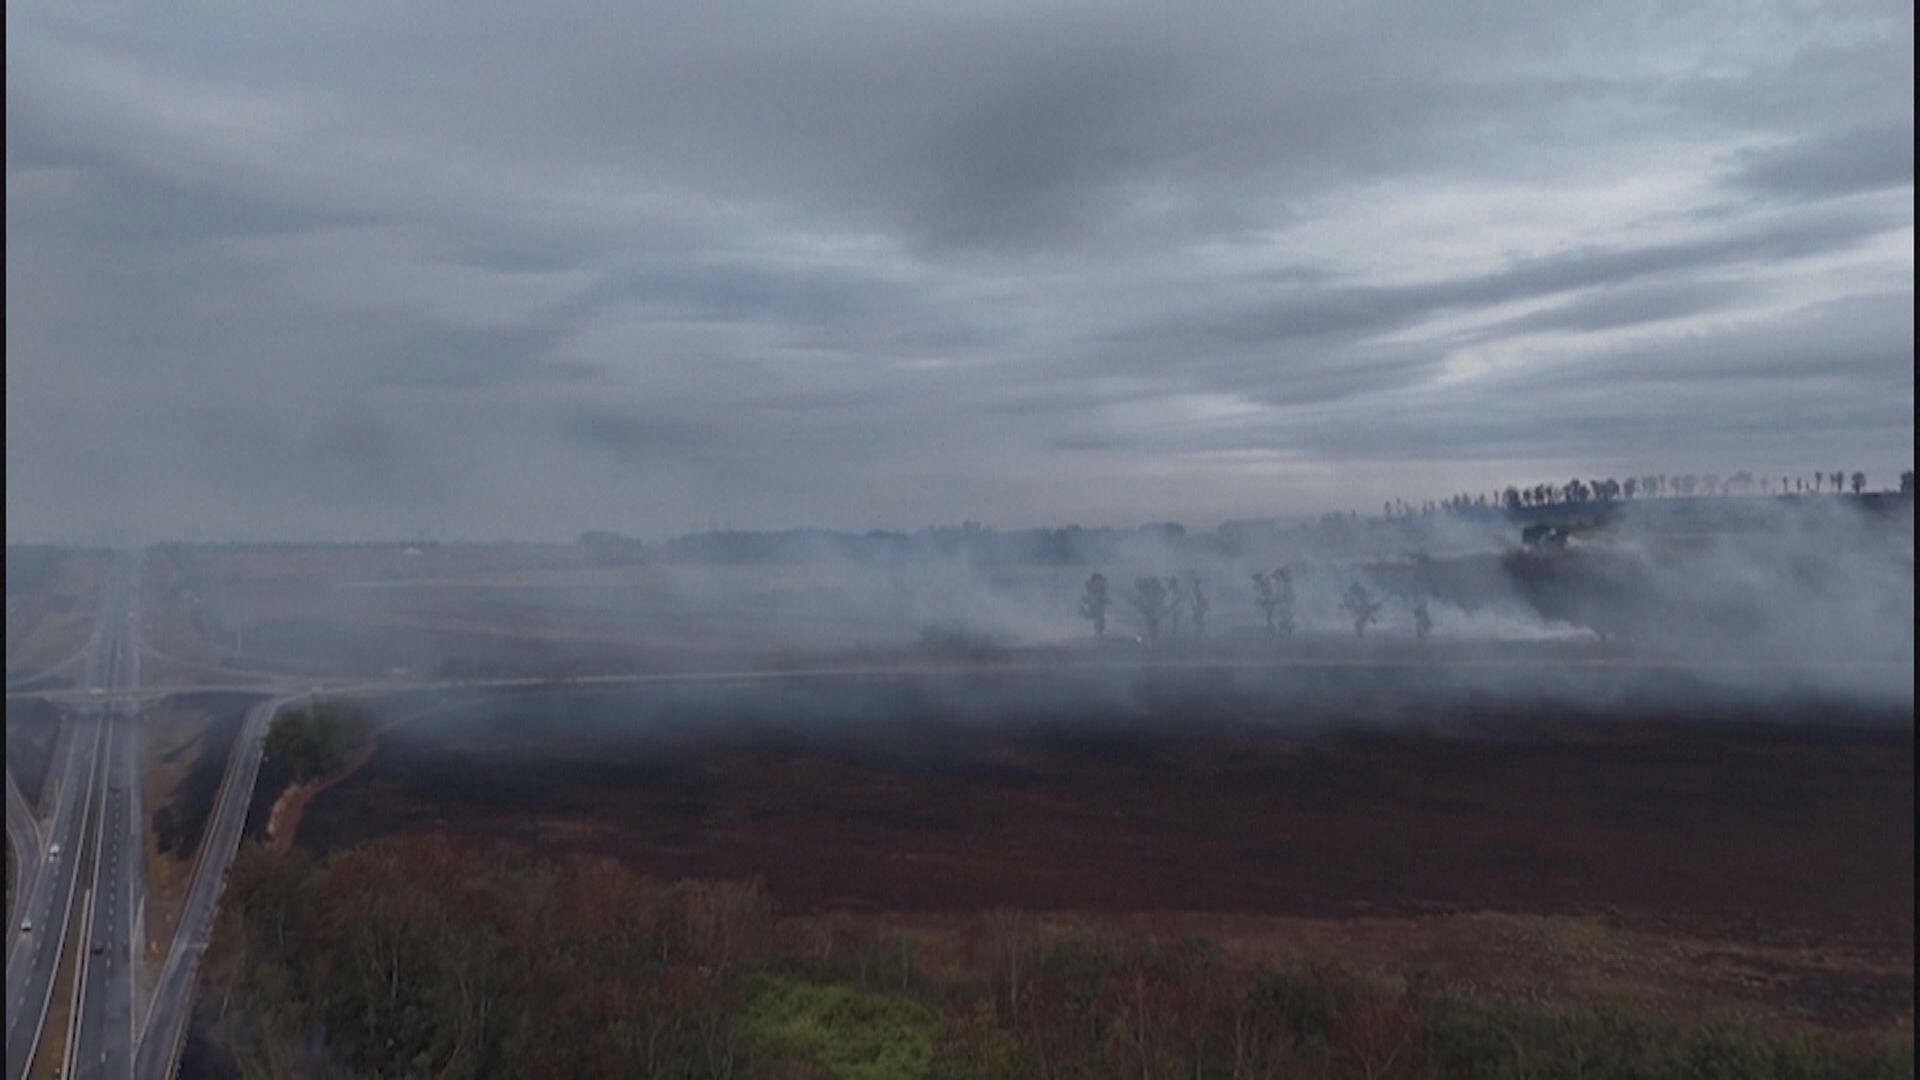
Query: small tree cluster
pixel 1273 592
pixel 1359 602
pixel 1162 603
pixel 315 739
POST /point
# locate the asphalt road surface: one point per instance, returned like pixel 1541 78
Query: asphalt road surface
pixel 29 848
pixel 96 823
pixel 165 1031
pixel 104 1029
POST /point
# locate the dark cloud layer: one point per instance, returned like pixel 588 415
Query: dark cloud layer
pixel 482 269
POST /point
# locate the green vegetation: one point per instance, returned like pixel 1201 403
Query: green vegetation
pixel 852 1034
pixel 417 958
pixel 313 740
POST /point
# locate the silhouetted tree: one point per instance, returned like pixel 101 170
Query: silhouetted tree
pixel 1149 598
pixel 1838 480
pixel 1906 482
pixel 1093 604
pixel 1176 605
pixel 1200 607
pixel 1360 604
pixel 1273 592
pixel 1510 498
pixel 1422 620
pixel 1630 487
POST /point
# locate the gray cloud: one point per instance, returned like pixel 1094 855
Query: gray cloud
pixel 1840 163
pixel 361 270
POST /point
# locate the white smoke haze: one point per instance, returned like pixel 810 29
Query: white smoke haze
pixel 1750 597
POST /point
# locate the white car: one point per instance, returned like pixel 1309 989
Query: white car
pixel 53 850
pixel 26 926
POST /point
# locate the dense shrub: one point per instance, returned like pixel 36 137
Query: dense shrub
pixel 417 958
pixel 313 740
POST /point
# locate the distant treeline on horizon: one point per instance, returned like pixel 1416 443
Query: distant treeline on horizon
pixel 1577 505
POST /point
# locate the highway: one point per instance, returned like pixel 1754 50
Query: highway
pixel 165 1031
pixel 29 849
pixel 98 872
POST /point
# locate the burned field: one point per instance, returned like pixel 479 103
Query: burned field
pixel 1785 829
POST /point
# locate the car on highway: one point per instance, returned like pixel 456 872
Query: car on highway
pixel 98 948
pixel 53 850
pixel 26 926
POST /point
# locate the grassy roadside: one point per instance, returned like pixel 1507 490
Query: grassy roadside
pixel 184 753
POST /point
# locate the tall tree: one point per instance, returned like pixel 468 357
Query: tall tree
pixel 1859 482
pixel 1273 592
pixel 1093 604
pixel 1360 604
pixel 1149 600
pixel 1176 605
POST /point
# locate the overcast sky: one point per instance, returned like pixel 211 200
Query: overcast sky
pixel 358 268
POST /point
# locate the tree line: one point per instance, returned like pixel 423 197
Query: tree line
pixel 1164 605
pixel 1577 491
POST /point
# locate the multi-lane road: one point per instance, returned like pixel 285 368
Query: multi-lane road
pixel 81 901
pixel 29 847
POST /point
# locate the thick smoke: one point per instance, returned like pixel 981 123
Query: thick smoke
pixel 1758 595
